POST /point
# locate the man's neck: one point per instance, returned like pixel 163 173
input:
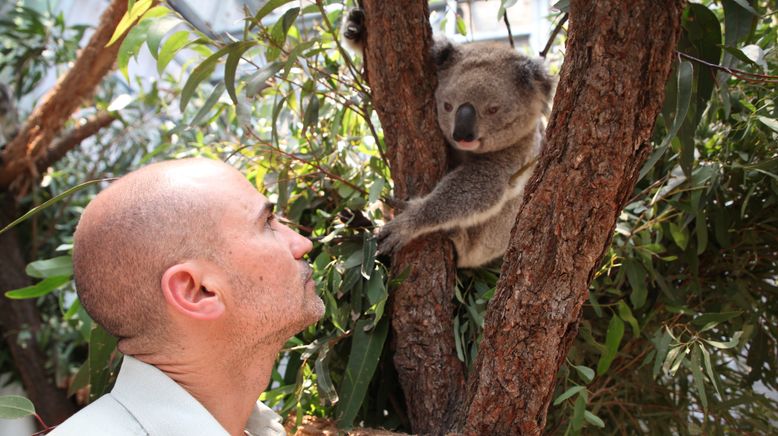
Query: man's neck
pixel 227 389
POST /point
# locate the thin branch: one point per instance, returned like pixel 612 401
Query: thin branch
pixel 740 74
pixel 369 122
pixel 508 26
pixel 72 139
pixel 554 33
pixel 94 61
pixel 292 156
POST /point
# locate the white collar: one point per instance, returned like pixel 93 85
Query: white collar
pixel 163 407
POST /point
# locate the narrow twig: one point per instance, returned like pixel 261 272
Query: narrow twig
pixel 554 33
pixel 343 53
pixel 508 26
pixel 371 127
pixel 740 74
pixel 330 174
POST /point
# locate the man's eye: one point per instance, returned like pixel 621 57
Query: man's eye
pixel 269 222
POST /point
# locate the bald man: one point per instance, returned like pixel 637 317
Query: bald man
pixel 185 263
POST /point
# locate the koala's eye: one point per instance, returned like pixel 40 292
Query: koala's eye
pixel 447 106
pixel 491 110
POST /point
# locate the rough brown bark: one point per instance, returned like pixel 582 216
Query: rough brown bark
pixel 402 80
pixel 619 55
pixel 77 85
pixel 17 316
pixel 72 139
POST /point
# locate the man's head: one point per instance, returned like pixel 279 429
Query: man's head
pixel 189 249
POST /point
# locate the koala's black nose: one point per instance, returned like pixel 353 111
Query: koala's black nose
pixel 464 123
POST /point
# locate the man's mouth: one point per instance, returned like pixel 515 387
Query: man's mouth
pixel 307 273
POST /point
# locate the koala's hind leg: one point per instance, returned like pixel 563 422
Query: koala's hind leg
pixel 480 244
pixel 472 249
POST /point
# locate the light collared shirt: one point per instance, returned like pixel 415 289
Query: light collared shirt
pixel 145 401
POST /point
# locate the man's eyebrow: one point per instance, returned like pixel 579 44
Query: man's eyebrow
pixel 265 210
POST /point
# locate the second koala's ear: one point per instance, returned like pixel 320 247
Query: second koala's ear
pixel 444 53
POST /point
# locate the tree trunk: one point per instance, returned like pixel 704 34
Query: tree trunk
pixel 17 316
pixel 402 80
pixel 27 154
pixel 47 119
pixel 619 55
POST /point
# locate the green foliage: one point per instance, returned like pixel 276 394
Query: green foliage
pixel 32 43
pixel 14 407
pixel 679 333
pixel 691 268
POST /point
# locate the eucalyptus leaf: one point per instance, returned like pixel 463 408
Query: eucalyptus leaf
pixel 368 255
pixel 48 203
pixel 39 289
pixel 365 351
pixel 101 346
pixel 612 340
pixel 139 8
pixel 54 267
pixel 157 30
pixel 15 406
pixel 699 381
pixel 685 76
pixel 200 73
pixel 172 45
pixel 234 53
pixel 586 373
pixel 593 419
pixel 567 394
pixel 269 7
pixel 323 380
pixel 205 109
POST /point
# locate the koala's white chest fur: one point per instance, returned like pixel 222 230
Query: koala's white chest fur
pixel 514 193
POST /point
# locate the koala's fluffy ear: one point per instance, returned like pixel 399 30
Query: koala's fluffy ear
pixel 545 82
pixel 444 53
pixel 531 74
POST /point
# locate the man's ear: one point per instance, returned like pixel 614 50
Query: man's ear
pixel 182 286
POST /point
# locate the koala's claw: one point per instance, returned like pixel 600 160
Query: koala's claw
pixel 397 205
pixel 390 238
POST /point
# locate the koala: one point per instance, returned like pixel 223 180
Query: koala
pixel 489 103
pixel 9 120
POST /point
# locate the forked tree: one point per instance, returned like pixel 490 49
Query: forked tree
pixel 610 91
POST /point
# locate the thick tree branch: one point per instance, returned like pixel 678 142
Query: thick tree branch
pixel 403 80
pixel 72 139
pixel 77 85
pixel 17 316
pixel 619 55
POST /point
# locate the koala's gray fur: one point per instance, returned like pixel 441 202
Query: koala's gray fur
pixel 9 120
pixel 490 100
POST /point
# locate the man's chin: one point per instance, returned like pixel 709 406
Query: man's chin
pixel 313 306
pixel 316 308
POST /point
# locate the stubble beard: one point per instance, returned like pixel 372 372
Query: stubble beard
pixel 310 310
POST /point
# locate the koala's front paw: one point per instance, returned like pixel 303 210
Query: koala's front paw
pixel 354 27
pixel 397 205
pixel 393 235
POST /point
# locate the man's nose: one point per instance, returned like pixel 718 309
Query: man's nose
pixel 299 245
